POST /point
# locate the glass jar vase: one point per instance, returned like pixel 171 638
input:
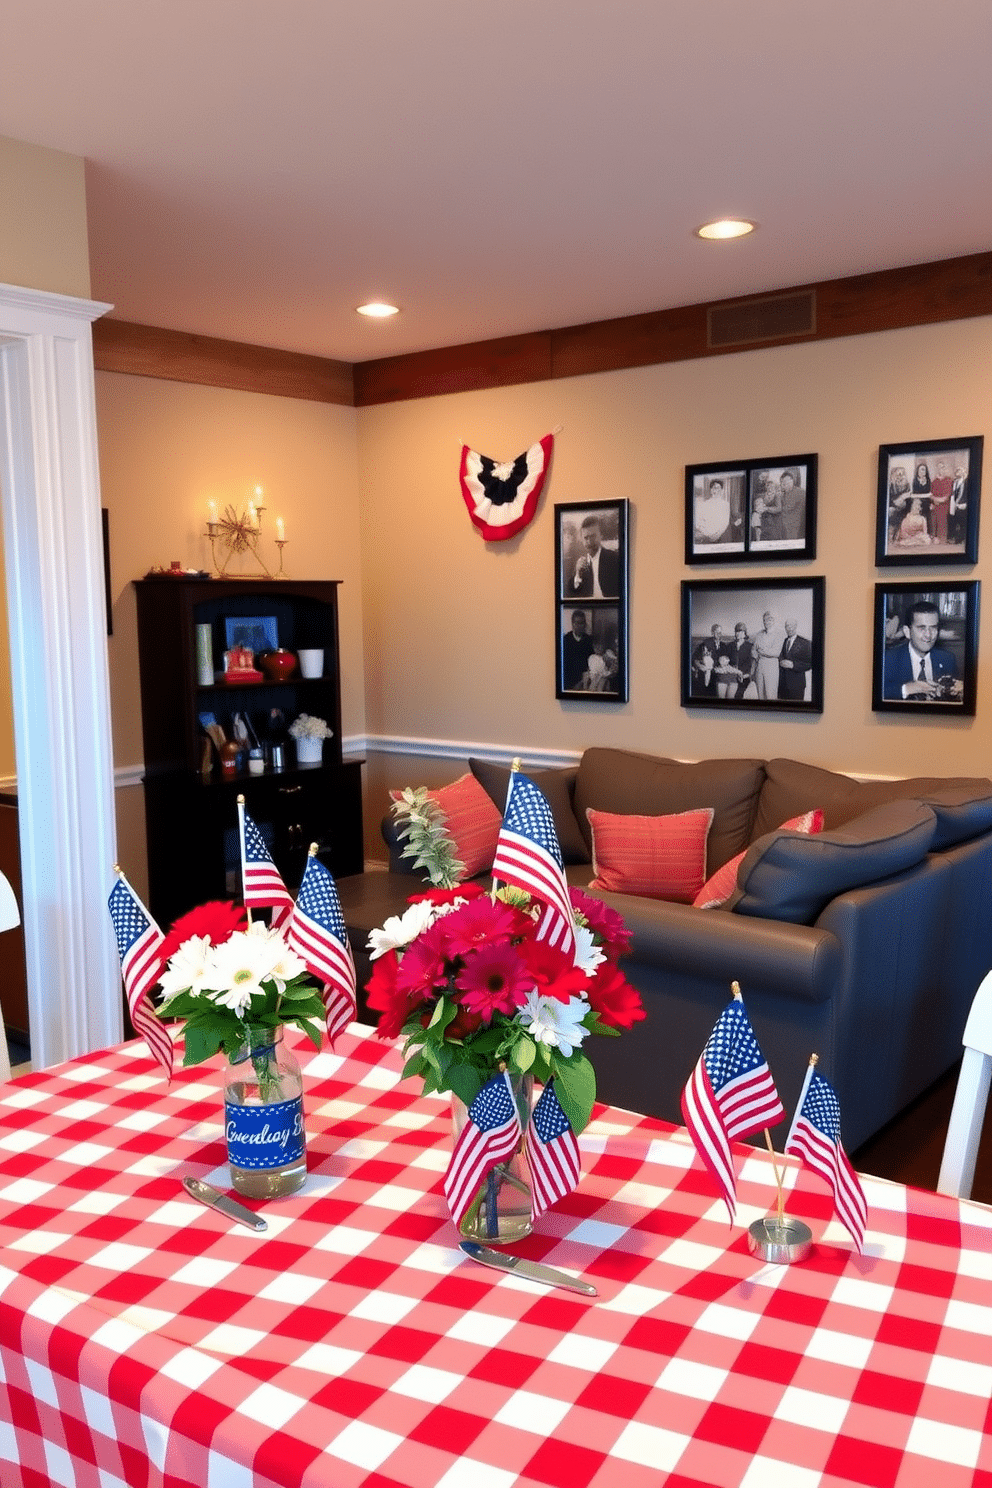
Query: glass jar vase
pixel 500 1209
pixel 263 1117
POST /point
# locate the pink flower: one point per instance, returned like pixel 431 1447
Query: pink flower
pixel 478 923
pixel 424 964
pixel 604 922
pixel 493 980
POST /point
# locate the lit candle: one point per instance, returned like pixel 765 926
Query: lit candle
pixel 280 530
pixel 259 496
pixel 211 511
pixel 251 515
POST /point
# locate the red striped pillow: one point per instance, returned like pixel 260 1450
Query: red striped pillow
pixel 658 857
pixel 720 885
pixel 472 821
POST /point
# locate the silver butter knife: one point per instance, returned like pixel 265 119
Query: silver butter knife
pixel 223 1203
pixel 500 1261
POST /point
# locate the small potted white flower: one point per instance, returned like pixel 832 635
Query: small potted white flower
pixel 309 734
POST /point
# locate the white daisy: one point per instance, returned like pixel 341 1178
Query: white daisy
pixel 399 930
pixel 289 964
pixel 187 969
pixel 557 1024
pixel 588 955
pixel 240 966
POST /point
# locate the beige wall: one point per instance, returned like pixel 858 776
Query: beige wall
pixel 43 241
pixel 43 245
pixel 460 634
pixel 166 448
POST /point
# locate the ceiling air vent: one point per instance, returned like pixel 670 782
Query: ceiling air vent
pixel 771 318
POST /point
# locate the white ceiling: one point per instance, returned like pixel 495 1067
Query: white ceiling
pixel 256 168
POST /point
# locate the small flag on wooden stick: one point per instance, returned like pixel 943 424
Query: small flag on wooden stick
pixel 815 1139
pixel 730 1095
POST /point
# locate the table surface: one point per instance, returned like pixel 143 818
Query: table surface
pixel 146 1342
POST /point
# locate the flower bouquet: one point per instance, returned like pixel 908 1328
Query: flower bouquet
pixel 491 992
pixel 234 985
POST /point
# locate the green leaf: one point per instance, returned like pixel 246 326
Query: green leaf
pixel 415 1065
pixel 523 1053
pixel 201 1042
pixel 466 1082
pixel 576 1090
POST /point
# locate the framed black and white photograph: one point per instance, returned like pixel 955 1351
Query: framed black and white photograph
pixel 751 510
pixel 591 564
pixel 592 652
pixel 929 494
pixel 591 550
pixel 925 648
pixel 753 643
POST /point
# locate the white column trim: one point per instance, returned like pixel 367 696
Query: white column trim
pixel 55 600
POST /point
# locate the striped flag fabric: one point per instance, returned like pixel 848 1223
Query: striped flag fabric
pixel 815 1139
pixel 552 1153
pixel 528 856
pixel 138 943
pixel 729 1096
pixel 261 880
pixel 316 932
pixel 491 1134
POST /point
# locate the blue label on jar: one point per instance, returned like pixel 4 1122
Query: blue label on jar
pixel 264 1136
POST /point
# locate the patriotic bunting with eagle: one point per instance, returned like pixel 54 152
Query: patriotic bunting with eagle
pixel 502 498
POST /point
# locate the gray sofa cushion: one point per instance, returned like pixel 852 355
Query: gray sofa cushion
pixel 963 806
pixel 557 787
pixel 629 784
pixel 789 876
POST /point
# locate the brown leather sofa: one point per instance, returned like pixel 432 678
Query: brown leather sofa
pixel 864 944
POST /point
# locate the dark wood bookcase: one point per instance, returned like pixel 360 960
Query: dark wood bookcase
pixel 191 819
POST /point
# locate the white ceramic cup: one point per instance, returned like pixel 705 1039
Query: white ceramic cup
pixel 311 662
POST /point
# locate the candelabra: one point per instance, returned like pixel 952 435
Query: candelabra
pixel 240 532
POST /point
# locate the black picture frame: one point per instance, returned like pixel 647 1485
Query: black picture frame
pixel 953 650
pixel 739 672
pixel 592 558
pixel 941 529
pixel 751 511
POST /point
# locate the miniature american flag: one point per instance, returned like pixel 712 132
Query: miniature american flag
pixel 729 1095
pixel 490 1135
pixel 261 879
pixel 552 1153
pixel 316 932
pixel 815 1139
pixel 138 943
pixel 528 856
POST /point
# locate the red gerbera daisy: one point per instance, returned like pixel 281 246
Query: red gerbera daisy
pixel 216 920
pixel 448 896
pixel 552 973
pixel 494 980
pixel 614 999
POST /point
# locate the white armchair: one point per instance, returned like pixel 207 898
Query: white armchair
pixel 10 916
pixel 964 1131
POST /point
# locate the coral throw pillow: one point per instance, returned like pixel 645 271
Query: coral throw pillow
pixel 472 821
pixel 658 857
pixel 719 887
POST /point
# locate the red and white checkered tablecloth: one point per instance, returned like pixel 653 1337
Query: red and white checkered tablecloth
pixel 146 1342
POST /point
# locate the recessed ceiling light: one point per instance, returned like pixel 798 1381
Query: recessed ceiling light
pixel 378 310
pixel 726 227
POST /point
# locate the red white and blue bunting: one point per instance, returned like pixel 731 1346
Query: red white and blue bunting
pixel 502 498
